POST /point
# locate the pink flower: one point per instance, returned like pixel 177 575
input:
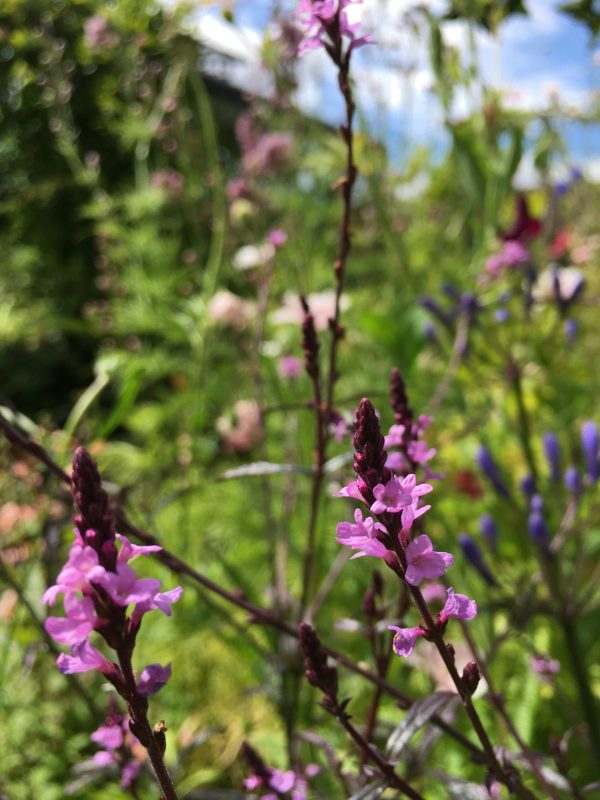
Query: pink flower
pixel 162 601
pixel 401 495
pixel 405 639
pixel 458 606
pixel 289 367
pixel 362 536
pixel 513 254
pixel 318 18
pixel 395 437
pixel 420 452
pixel 123 586
pixel 77 625
pixel 395 461
pixel 130 551
pixel 74 575
pixel 153 678
pixel 424 562
pixel 108 736
pixel 351 490
pixel 84 658
pixel 277 237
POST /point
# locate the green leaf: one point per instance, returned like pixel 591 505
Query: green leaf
pixel 418 714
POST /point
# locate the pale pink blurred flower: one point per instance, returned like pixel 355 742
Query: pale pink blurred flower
pixel 268 153
pixel 289 367
pixel 168 180
pixel 226 308
pixel 252 256
pixel 321 304
pixel 245 431
pixel 97 33
pixel 277 237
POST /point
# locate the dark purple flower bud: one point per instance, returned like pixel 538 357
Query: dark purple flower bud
pixel 528 486
pixel 91 503
pixel 552 453
pixel 474 555
pixel 370 457
pixel 573 480
pixel 589 443
pixel 489 530
pixel 318 671
pixel 538 530
pixel 490 469
pixel 310 342
pixel 471 677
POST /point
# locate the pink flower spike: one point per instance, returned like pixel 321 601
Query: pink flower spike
pixel 424 563
pixel 84 658
pixel 458 606
pixel 130 551
pixel 405 639
pixel 153 678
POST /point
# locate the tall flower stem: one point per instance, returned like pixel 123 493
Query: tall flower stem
pixel 323 409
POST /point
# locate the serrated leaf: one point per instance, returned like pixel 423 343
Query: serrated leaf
pixel 418 714
pixel 264 468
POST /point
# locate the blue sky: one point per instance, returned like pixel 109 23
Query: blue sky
pixel 534 60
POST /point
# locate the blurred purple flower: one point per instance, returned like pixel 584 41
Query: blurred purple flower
pixel 475 557
pixel 590 442
pixel 488 466
pixel 573 480
pixel 552 453
pixel 489 530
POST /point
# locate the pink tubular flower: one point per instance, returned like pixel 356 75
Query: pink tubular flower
pixel 130 551
pixel 458 606
pixel 108 736
pixel 401 495
pixel 420 452
pixel 74 575
pixel 424 562
pixel 405 639
pixel 352 491
pixel 153 678
pixel 162 601
pixel 123 587
pixel 362 536
pixel 84 658
pixel 77 625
